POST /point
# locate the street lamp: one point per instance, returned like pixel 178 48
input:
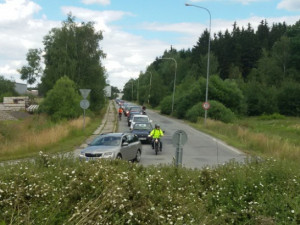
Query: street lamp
pixel 149 86
pixel 132 89
pixel 137 91
pixel 207 74
pixel 174 81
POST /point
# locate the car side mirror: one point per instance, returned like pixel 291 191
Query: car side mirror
pixel 125 144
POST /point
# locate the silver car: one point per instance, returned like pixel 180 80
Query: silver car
pixel 114 146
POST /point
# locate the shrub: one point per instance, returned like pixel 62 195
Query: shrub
pixel 217 111
pixel 260 99
pixel 288 99
pixel 195 112
pixel 274 116
pixel 166 105
pixel 62 102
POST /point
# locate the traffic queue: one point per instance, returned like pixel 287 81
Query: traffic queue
pixel 126 145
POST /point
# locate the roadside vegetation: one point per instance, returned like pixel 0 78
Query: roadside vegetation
pixel 26 138
pixel 265 136
pixel 57 190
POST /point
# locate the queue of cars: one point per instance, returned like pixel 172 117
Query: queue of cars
pixel 128 145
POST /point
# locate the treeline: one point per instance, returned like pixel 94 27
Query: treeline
pixel 251 73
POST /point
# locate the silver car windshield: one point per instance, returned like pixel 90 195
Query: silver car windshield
pixel 106 141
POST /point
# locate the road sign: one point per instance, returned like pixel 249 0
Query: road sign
pixel 85 92
pixel 84 104
pixel 179 138
pixel 206 105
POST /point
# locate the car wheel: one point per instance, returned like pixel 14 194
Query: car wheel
pixel 138 156
pixel 119 156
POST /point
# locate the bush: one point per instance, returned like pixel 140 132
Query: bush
pixel 274 116
pixel 260 99
pixel 166 105
pixel 62 102
pixel 195 112
pixel 217 111
pixel 288 99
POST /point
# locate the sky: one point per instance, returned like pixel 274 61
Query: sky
pixel 135 32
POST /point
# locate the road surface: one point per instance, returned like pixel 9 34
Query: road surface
pixel 200 150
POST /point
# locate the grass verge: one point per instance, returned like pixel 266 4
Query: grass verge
pixel 266 138
pixel 26 138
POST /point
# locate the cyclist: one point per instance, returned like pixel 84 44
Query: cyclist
pixel 120 112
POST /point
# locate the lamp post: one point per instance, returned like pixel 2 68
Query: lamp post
pixel 137 91
pixel 132 89
pixel 207 74
pixel 149 86
pixel 174 81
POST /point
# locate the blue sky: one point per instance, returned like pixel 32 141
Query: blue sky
pixel 135 31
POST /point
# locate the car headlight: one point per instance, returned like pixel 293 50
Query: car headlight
pixel 108 155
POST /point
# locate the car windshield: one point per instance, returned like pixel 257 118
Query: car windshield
pixel 106 141
pixel 142 126
pixel 140 119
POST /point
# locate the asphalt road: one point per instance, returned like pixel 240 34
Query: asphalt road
pixel 199 151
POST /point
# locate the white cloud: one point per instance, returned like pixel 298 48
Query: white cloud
pixel 16 10
pixel 127 55
pixel 19 32
pixel 290 5
pixel 101 18
pixel 101 2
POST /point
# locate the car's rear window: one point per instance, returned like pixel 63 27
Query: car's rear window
pixel 142 126
pixel 140 119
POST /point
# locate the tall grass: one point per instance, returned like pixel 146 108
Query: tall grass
pixel 24 138
pixel 252 142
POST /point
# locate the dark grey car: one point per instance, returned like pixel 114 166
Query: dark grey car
pixel 114 146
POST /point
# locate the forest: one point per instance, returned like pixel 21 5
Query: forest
pixel 251 72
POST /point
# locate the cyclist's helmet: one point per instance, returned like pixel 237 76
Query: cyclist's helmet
pixel 157 126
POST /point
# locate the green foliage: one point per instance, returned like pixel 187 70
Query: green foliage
pixel 185 101
pixel 7 88
pixel 289 100
pixel 166 105
pixel 260 99
pixel 73 51
pixel 274 116
pixel 193 113
pixel 62 102
pixel 228 93
pixel 58 190
pixel 34 69
pixel 218 111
